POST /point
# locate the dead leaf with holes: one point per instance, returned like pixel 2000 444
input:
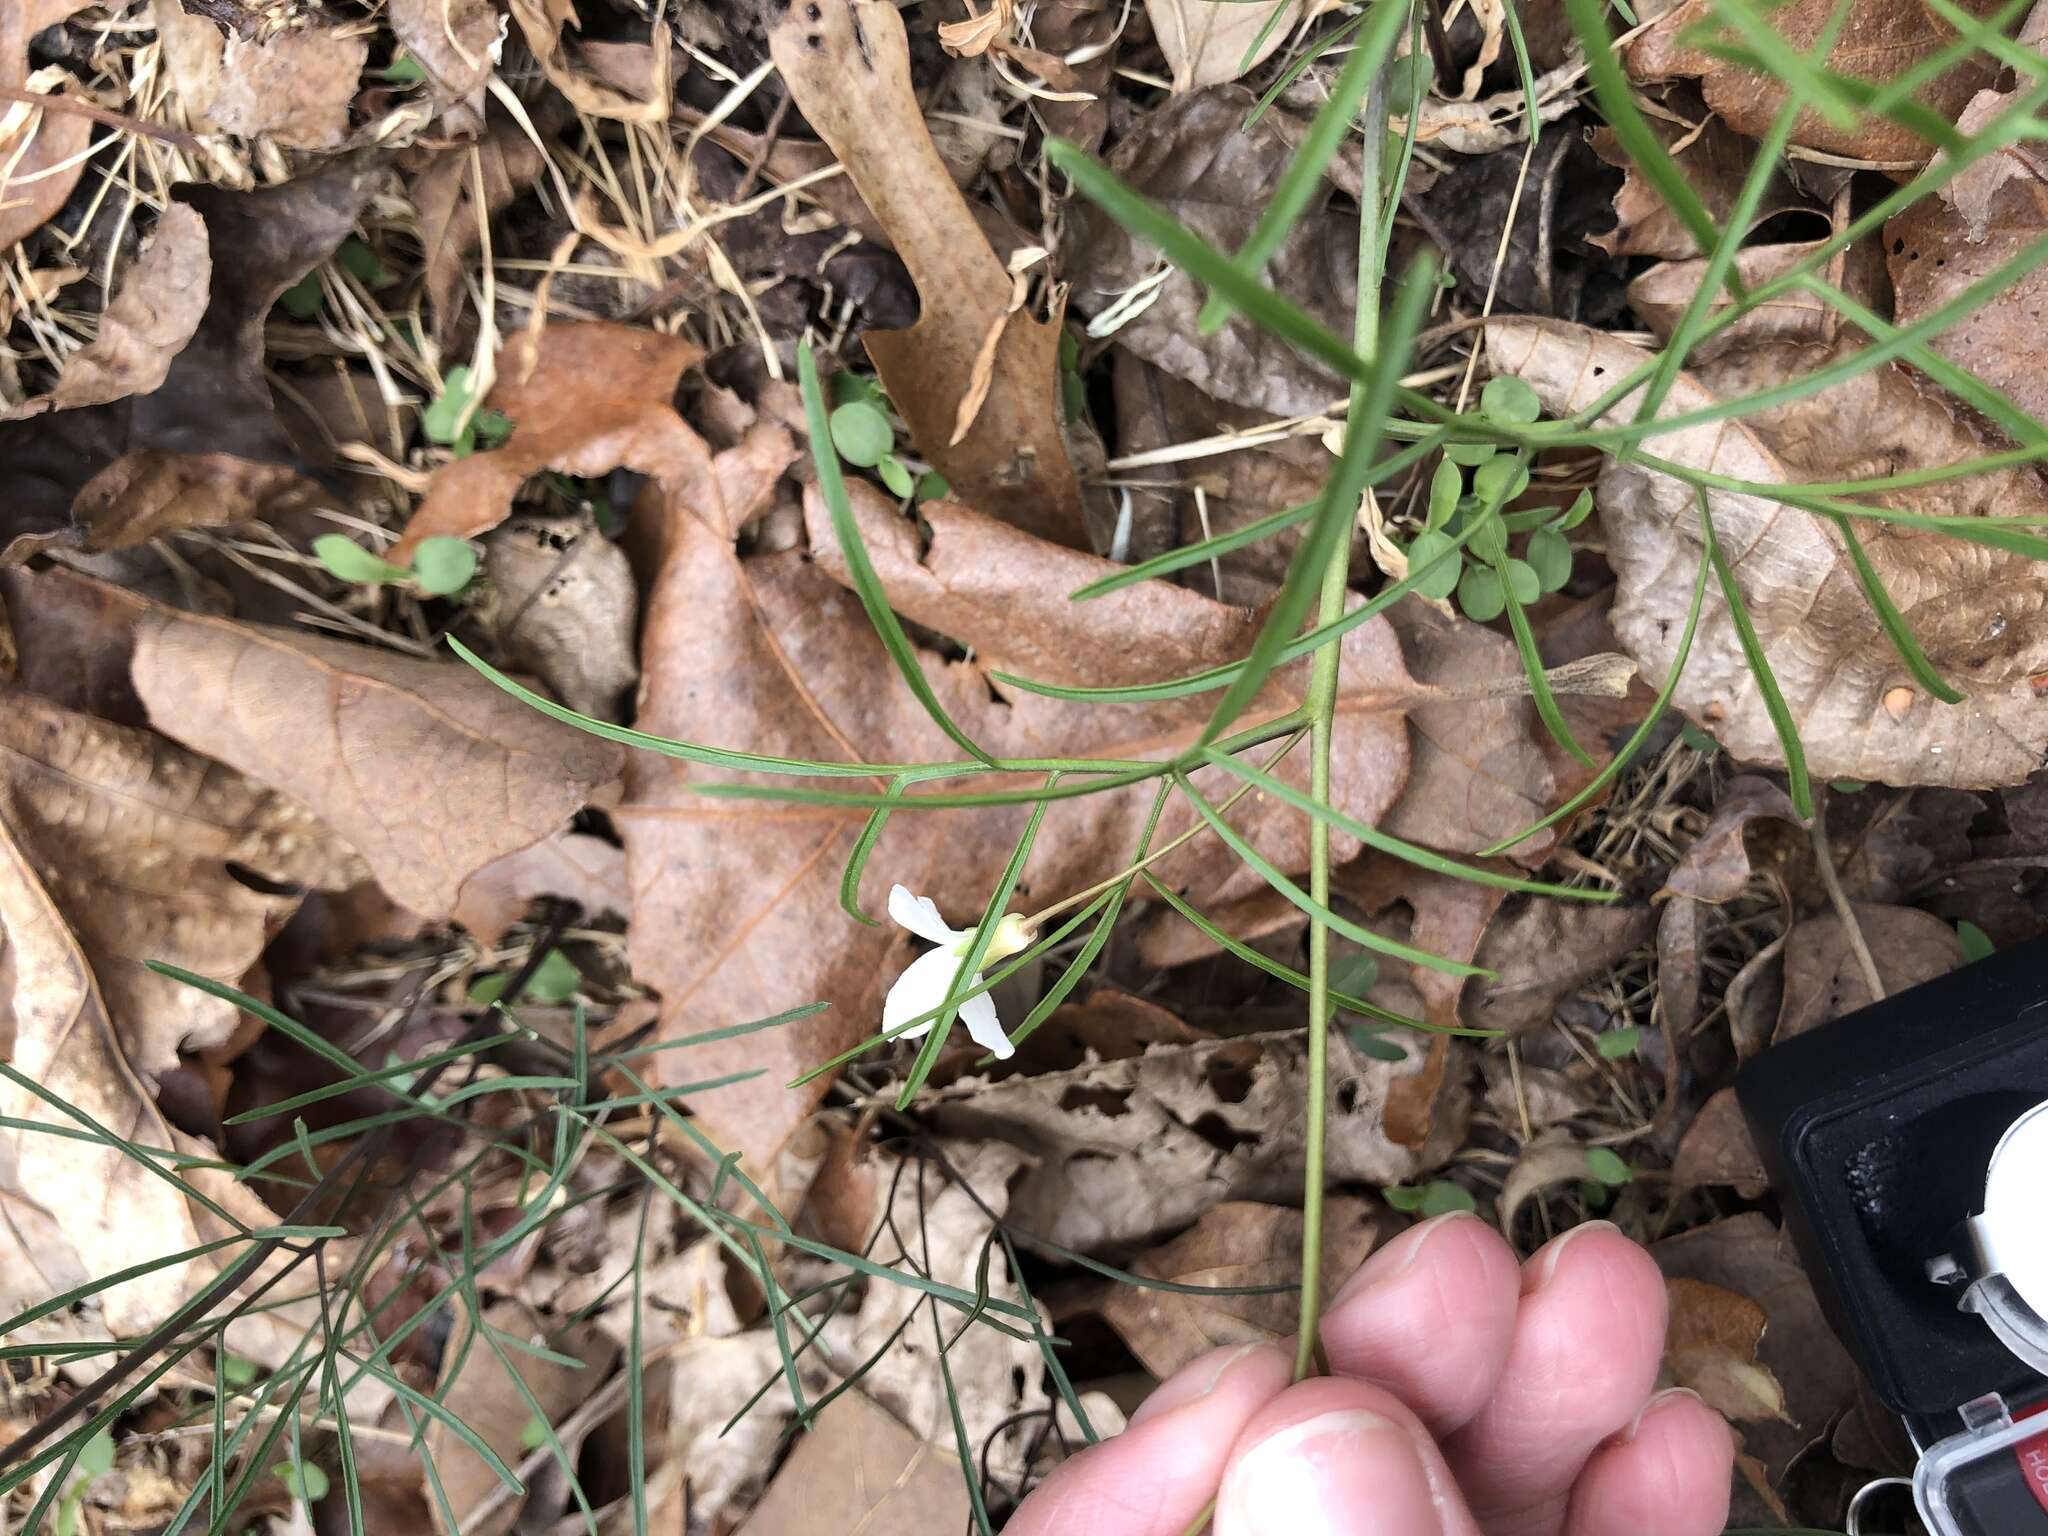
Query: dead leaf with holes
pixel 205 446
pixel 847 66
pixel 1212 42
pixel 42 149
pixel 1981 614
pixel 292 86
pixel 583 398
pixel 1237 1243
pixel 423 767
pixel 1878 41
pixel 561 605
pixel 116 848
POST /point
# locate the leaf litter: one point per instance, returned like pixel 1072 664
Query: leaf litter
pixel 508 302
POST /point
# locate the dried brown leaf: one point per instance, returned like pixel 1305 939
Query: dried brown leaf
pixel 71 468
pixel 584 398
pixel 1662 295
pixel 1934 253
pixel 1128 1151
pixel 1750 1257
pixel 1716 867
pixel 1711 1347
pixel 1715 161
pixel 572 865
pixel 505 161
pixel 847 66
pixel 42 149
pixel 857 1471
pixel 116 849
pixel 1824 980
pixel 1237 1243
pixel 774 642
pixel 1543 952
pixel 542 22
pixel 1195 157
pixel 1976 610
pixel 1878 41
pixel 292 86
pixel 161 302
pixel 452 41
pixel 423 767
pixel 1718 1149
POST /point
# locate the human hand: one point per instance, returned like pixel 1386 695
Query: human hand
pixel 1470 1396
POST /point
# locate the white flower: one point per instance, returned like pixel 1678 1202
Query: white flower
pixel 925 981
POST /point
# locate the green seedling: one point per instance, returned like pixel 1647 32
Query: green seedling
pixel 441 567
pixel 554 980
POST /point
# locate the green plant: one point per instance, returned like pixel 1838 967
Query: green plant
pixel 453 419
pixel 441 567
pixel 862 434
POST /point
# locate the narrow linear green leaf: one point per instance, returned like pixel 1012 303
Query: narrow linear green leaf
pixel 1895 625
pixel 1800 787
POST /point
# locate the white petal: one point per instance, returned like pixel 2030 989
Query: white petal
pixel 979 1015
pixel 921 988
pixel 921 917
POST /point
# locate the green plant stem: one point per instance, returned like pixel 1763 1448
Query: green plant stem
pixel 1320 705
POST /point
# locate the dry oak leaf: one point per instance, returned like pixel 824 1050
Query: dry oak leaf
pixel 423 767
pixel 293 86
pixel 772 654
pixel 1237 1243
pixel 42 150
pixel 115 849
pixel 1981 614
pixel 542 22
pixel 584 398
pixel 586 870
pixel 847 66
pixel 1710 1347
pixel 1212 42
pixel 206 444
pixel 1880 40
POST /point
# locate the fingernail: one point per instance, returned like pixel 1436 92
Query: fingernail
pixel 1398 1257
pixel 1338 1474
pixel 1201 1379
pixel 1223 1365
pixel 1658 1402
pixel 1547 1261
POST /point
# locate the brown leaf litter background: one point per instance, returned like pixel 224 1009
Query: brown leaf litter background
pixel 248 249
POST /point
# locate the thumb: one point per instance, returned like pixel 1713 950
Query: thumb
pixel 1338 1458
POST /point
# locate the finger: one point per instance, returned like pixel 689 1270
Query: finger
pixel 1156 1477
pixel 1430 1317
pixel 1338 1458
pixel 1667 1473
pixel 1587 1343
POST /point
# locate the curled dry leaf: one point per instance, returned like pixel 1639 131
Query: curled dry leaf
pixel 1877 41
pixel 1716 868
pixel 1711 1348
pixel 584 398
pixel 562 605
pixel 293 85
pixel 1196 158
pixel 1237 1243
pixel 505 161
pixel 1212 42
pixel 422 766
pixel 1976 610
pixel 847 66
pixel 1748 1256
pixel 542 23
pixel 115 849
pixel 1716 162
pixel 162 300
pixel 1127 1151
pixel 206 444
pixel 42 149
pixel 1542 1165
pixel 1662 294
pixel 1543 951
